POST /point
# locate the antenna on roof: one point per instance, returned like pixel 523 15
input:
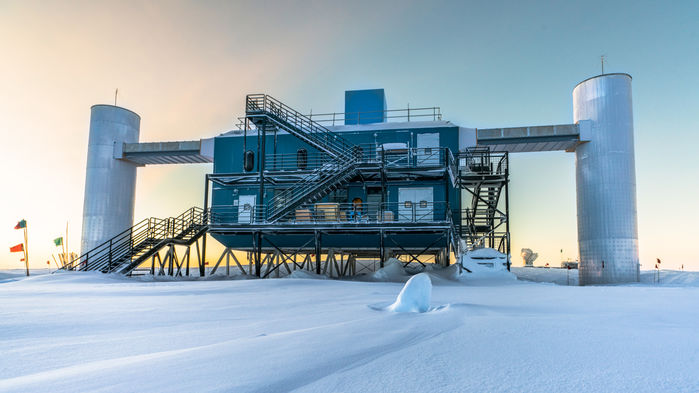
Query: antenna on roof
pixel 601 59
pixel 115 96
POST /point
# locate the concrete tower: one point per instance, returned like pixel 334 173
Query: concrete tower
pixel 110 184
pixel 606 181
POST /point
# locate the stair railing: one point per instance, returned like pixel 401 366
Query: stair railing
pixel 119 249
pixel 292 120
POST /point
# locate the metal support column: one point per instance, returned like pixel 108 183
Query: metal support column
pixel 207 220
pixel 382 250
pixel 261 166
pixel 317 250
pixel 507 209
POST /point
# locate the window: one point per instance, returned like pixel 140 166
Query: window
pixel 248 161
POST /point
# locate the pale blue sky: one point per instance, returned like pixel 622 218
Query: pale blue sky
pixel 185 67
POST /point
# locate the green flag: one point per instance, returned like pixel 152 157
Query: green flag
pixel 21 224
pixel 58 241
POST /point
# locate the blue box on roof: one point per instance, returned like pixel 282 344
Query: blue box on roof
pixel 365 106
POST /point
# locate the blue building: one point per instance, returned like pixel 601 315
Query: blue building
pixel 354 184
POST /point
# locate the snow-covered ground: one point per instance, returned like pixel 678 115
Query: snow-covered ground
pixel 73 332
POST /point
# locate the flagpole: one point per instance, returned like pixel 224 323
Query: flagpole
pixel 26 250
pixel 67 248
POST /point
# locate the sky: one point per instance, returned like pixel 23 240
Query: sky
pixel 186 66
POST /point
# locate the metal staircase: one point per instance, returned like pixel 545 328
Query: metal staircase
pixel 481 215
pixel 265 111
pixel 315 186
pixel 484 175
pixel 130 248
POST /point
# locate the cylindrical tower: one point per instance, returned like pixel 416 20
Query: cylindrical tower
pixel 606 181
pixel 110 184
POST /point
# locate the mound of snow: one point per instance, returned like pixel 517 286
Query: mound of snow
pixel 392 271
pixel 444 275
pixel 415 295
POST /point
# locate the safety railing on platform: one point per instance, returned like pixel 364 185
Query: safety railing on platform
pixel 338 213
pixel 482 161
pixel 391 156
pixel 389 115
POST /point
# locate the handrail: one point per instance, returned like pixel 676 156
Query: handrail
pixel 288 117
pixel 386 115
pixel 128 243
pixel 350 213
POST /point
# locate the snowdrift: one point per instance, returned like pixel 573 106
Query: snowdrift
pixel 415 295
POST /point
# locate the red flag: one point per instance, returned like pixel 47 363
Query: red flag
pixel 658 259
pixel 17 248
pixel 21 224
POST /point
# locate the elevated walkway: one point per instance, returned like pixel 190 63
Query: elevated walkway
pixel 154 153
pixel 565 137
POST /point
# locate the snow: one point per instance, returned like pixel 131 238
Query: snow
pixel 392 271
pixel 93 332
pixel 415 295
pixel 542 274
pixel 485 265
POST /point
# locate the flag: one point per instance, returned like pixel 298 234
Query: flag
pixel 17 248
pixel 21 224
pixel 58 241
pixel 658 260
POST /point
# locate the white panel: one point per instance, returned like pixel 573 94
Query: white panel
pixel 428 149
pixel 246 204
pixel 415 204
pixel 606 181
pixel 206 148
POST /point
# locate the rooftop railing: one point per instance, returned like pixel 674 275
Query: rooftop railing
pixel 368 117
pixel 383 116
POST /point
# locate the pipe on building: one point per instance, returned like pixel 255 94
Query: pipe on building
pixel 110 184
pixel 606 181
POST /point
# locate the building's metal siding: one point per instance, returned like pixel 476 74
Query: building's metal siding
pixel 606 182
pixel 110 184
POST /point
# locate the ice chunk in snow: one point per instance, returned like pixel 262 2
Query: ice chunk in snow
pixel 415 295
